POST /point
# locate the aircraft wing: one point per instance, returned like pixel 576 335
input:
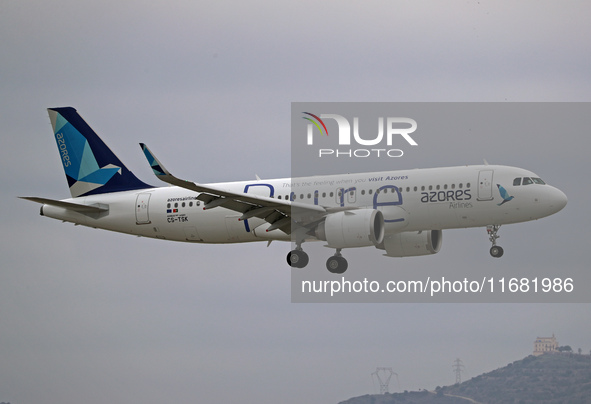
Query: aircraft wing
pixel 279 213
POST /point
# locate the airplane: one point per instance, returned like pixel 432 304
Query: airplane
pixel 402 213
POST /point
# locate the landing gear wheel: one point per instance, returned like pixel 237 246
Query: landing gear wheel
pixel 496 251
pixel 297 259
pixel 336 264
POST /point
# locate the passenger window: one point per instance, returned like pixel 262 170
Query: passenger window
pixel 527 181
pixel 517 181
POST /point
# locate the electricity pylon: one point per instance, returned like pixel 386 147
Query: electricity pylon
pixel 384 375
pixel 458 368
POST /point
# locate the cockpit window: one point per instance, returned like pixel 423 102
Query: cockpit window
pixel 527 181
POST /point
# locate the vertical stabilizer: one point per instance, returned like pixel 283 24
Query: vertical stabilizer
pixel 90 166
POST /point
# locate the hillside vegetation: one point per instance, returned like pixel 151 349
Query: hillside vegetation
pixel 546 379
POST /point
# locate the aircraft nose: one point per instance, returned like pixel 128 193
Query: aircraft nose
pixel 558 200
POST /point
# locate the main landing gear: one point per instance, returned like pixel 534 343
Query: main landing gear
pixel 495 251
pixel 336 264
pixel 297 258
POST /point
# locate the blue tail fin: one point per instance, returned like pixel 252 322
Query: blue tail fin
pixel 90 166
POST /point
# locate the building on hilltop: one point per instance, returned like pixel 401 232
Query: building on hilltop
pixel 544 345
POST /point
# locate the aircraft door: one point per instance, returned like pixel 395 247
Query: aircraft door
pixel 351 195
pixel 339 197
pixel 485 182
pixel 141 209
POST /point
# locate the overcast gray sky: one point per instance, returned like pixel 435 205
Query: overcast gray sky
pixel 91 316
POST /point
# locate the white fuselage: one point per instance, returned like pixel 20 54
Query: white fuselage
pixel 411 200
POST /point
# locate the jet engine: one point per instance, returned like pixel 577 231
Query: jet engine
pixel 352 228
pixel 411 244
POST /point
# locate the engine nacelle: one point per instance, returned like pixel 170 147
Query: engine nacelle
pixel 352 228
pixel 412 244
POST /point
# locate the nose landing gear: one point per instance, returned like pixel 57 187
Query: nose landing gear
pixel 495 251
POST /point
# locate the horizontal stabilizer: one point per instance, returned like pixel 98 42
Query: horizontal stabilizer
pixel 98 208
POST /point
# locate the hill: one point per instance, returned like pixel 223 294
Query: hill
pixel 546 379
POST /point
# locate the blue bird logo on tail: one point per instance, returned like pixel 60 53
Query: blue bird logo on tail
pixel 504 195
pixel 89 164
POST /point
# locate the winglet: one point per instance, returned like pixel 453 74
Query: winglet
pixel 157 167
pixel 162 173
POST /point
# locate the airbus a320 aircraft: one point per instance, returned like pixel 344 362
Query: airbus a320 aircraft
pixel 401 212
